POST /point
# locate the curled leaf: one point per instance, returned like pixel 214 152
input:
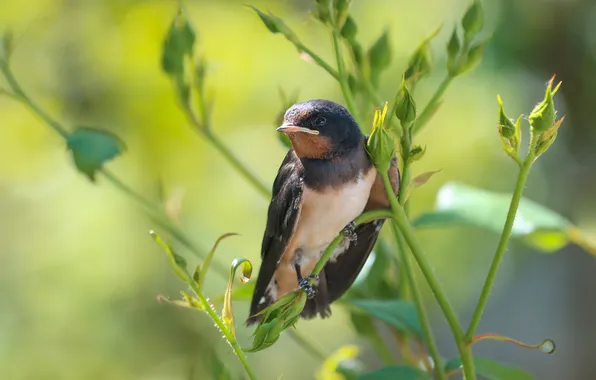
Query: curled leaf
pixel 209 257
pixel 227 312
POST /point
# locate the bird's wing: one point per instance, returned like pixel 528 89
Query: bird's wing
pixel 283 212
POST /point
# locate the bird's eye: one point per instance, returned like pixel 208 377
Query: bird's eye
pixel 319 121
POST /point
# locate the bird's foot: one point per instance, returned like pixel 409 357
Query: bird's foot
pixel 304 284
pixel 350 231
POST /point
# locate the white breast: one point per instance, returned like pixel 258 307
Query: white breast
pixel 324 214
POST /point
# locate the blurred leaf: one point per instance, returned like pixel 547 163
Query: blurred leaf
pixel 398 372
pixel 396 313
pixel 276 25
pixel 349 30
pixel 91 148
pixel 453 50
pixel 490 370
pixel 420 61
pixel 458 204
pixel 423 178
pixel 405 106
pixel 205 266
pixel 240 293
pixel 177 262
pixel 218 368
pixel 341 365
pixel 6 45
pixel 473 20
pixel 379 56
pixel 246 271
pixel 179 42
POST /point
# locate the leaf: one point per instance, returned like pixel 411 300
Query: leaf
pixel 459 204
pixel 245 266
pixel 398 372
pixel 379 56
pixel 178 44
pixel 396 313
pixel 91 148
pixel 203 272
pixel 490 370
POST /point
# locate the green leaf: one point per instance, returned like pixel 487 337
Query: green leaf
pixel 91 148
pixel 459 204
pixel 396 313
pixel 178 44
pixel 379 56
pixel 491 370
pixel 398 372
pixel 473 20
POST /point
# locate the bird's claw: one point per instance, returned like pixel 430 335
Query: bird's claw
pixel 307 287
pixel 350 231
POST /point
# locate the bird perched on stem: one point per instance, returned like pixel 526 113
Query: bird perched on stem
pixel 325 181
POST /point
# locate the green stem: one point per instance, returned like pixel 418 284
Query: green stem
pixel 238 165
pixel 401 220
pixel 492 273
pixel 224 329
pixel 367 217
pixel 430 108
pixel 417 297
pixel 308 345
pixel 319 61
pixel 20 95
pixel 343 77
pixel 381 348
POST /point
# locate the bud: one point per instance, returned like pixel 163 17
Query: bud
pixel 473 21
pixel 543 115
pixel 276 25
pixel 420 61
pixel 546 139
pixel 474 57
pixel 380 145
pixel 453 51
pixel 349 30
pixel 510 133
pixel 405 107
pixel 342 9
pixel 379 57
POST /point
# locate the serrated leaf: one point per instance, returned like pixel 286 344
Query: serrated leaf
pixel 396 313
pixel 401 372
pixel 490 369
pixel 91 148
pixel 459 204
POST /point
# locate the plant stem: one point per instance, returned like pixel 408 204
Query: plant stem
pixel 343 77
pixel 308 345
pixel 430 108
pixel 367 217
pixel 381 348
pixel 319 61
pixel 492 273
pixel 401 220
pixel 238 165
pixel 224 329
pixel 20 95
pixel 417 297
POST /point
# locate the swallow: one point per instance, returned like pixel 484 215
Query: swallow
pixel 324 182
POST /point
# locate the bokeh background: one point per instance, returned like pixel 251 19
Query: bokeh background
pixel 79 274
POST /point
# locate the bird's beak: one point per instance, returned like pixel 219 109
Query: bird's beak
pixel 290 128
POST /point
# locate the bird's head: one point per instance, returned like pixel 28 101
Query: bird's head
pixel 321 129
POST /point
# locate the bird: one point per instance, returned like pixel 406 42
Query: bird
pixel 324 182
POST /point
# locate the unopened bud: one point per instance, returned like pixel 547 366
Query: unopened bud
pixel 380 145
pixel 453 51
pixel 405 106
pixel 510 133
pixel 276 25
pixel 543 115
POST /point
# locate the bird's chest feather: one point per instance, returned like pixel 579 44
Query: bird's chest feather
pixel 325 213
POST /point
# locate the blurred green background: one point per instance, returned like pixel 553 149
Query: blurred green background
pixel 79 274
